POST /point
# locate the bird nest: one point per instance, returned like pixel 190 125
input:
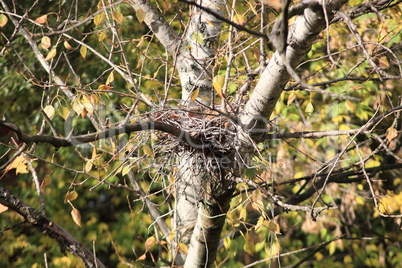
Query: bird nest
pixel 208 134
pixel 211 132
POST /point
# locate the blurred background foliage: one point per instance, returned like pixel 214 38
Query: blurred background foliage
pixel 114 220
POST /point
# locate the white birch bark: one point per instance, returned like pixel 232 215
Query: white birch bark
pixel 195 66
pixel 196 61
pixel 303 32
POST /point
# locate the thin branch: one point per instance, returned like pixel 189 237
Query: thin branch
pixel 367 7
pixel 219 17
pixel 321 134
pixel 37 185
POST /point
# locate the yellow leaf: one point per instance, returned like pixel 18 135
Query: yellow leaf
pixel 260 223
pixel 218 83
pixel 149 243
pixel 117 16
pixel 142 257
pixel 94 154
pixel 45 42
pixel 63 112
pixel 125 170
pixel 95 99
pixel 272 226
pixel 101 4
pixel 3 20
pixel 249 248
pixel 183 248
pixel 350 106
pixel 76 215
pixel 88 166
pixel 46 181
pixel 391 133
pixel 41 19
pixel 331 248
pixel 102 36
pixel 291 98
pixel 49 111
pixel 68 46
pixel 171 236
pixel 70 196
pixel 239 19
pixel 3 208
pixel 205 98
pixel 86 102
pixel 83 51
pixel 148 150
pixel 227 242
pixel 210 23
pixel 104 87
pixel 20 165
pixel 140 14
pixel 194 95
pixel 110 78
pixel 52 53
pixel 99 18
pixel 79 108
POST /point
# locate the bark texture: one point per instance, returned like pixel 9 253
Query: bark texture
pixel 302 34
pixel 196 60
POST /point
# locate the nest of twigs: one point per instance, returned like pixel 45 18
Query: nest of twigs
pixel 212 131
pixel 214 134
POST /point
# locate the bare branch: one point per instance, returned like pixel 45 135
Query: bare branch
pixel 95 136
pixel 228 21
pixel 66 241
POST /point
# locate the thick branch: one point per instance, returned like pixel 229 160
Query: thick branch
pixel 109 132
pixel 66 241
pixel 302 34
pixel 157 23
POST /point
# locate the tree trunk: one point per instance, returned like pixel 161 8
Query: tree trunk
pixel 302 34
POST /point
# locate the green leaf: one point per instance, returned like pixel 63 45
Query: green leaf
pixel 198 37
pixel 309 109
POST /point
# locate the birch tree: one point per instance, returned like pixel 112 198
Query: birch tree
pixel 201 108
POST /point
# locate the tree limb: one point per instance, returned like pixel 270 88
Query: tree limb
pixel 109 132
pixel 66 241
pixel 158 25
pixel 262 101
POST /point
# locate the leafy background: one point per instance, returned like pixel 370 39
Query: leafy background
pixel 114 220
